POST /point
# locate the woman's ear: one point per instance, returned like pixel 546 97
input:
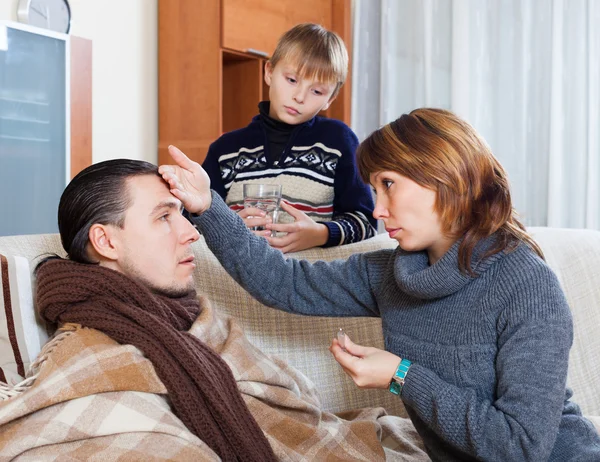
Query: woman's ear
pixel 103 240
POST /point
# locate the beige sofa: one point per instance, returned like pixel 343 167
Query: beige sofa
pixel 303 341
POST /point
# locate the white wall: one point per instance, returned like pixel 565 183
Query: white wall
pixel 124 75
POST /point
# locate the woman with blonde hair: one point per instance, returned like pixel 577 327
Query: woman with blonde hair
pixel 477 329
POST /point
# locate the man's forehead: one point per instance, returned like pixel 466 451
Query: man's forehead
pixel 150 192
pixel 168 203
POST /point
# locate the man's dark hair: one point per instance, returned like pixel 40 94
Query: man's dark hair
pixel 98 194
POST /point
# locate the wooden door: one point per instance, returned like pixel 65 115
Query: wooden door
pixel 189 76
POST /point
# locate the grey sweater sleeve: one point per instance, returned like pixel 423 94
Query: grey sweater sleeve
pixel 535 333
pixel 339 288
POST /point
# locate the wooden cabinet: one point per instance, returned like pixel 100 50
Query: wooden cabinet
pixel 243 88
pixel 189 76
pixel 211 64
pixel 256 25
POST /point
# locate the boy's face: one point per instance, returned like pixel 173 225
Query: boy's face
pixel 294 99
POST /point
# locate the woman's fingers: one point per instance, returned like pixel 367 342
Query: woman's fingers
pixel 252 212
pixel 354 349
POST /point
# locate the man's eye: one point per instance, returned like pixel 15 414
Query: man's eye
pixel 387 184
pixel 318 92
pixel 164 217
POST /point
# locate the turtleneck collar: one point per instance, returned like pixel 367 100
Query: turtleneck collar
pixel 270 122
pixel 417 278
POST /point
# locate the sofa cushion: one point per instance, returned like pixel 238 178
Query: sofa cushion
pixel 22 254
pixel 21 334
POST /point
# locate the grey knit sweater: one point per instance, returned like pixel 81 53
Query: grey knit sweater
pixel 490 353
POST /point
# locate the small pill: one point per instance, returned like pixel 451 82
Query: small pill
pixel 341 336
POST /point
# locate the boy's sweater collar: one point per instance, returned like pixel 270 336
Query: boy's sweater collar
pixel 417 278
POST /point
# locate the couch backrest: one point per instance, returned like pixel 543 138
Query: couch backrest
pixel 574 255
pixel 303 341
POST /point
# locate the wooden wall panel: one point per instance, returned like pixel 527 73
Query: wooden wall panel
pixel 258 24
pixel 81 104
pixel 189 76
pixel 317 11
pixel 342 25
pixel 252 24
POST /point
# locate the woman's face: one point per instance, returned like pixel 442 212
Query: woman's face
pixel 407 211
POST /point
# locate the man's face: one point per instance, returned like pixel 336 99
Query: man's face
pixel 154 245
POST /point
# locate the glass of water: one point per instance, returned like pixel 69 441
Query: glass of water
pixel 265 197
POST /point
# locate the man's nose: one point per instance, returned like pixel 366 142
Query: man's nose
pixel 189 233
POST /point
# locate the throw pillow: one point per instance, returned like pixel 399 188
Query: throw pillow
pixel 22 334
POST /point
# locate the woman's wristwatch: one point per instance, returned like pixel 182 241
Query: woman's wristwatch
pixel 398 378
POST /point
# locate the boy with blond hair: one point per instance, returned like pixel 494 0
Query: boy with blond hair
pixel 312 157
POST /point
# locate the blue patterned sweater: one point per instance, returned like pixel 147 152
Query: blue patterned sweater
pixel 317 171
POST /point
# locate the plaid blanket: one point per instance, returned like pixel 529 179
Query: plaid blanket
pixel 90 398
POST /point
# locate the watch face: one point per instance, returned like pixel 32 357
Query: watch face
pixel 54 15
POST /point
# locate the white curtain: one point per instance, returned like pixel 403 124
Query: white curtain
pixel 524 73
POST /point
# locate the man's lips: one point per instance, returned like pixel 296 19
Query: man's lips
pixel 188 261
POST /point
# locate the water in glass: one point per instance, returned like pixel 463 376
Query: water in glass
pixel 270 204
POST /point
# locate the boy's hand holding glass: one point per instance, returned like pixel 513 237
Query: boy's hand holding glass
pixel 261 206
pixel 303 233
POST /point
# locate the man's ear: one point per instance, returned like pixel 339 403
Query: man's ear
pixel 268 72
pixel 103 241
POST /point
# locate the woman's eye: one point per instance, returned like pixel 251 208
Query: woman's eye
pixel 291 80
pixel 318 92
pixel 387 184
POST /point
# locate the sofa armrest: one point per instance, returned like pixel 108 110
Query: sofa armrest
pixel 574 255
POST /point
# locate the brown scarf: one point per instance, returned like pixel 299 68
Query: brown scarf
pixel 201 386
